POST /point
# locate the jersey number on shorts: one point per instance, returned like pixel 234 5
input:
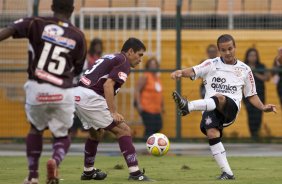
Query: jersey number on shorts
pixel 53 67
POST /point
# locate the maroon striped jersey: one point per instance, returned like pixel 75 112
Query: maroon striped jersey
pixel 57 49
pixel 114 66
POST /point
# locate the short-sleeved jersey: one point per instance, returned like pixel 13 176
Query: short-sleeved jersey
pixel 225 79
pixel 115 67
pixel 57 49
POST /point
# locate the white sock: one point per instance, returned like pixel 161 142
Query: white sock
pixel 202 105
pixel 219 155
pixel 88 168
pixel 133 169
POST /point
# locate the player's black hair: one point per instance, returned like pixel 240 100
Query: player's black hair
pixel 225 38
pixel 247 55
pixel 133 43
pixel 63 6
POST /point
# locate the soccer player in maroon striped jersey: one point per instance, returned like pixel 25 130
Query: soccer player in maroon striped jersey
pixel 57 52
pixel 96 108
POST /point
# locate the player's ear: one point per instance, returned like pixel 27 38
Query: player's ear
pixel 130 51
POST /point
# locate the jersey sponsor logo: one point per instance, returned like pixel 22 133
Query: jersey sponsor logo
pixel 220 86
pixel 85 81
pixel 53 33
pixel 41 74
pixel 122 76
pixel 77 98
pixel 49 98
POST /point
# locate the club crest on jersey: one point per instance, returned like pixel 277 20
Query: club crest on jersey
pixel 122 76
pixel 238 71
pixel 53 33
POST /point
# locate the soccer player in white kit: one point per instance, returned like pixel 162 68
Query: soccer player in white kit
pixel 225 79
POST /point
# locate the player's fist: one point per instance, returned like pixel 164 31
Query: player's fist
pixel 269 108
pixel 176 74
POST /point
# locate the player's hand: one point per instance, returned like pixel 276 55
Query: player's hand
pixel 118 118
pixel 176 74
pixel 269 108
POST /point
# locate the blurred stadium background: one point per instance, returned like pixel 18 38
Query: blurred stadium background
pixel 253 23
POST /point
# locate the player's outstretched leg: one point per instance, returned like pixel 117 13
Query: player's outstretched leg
pixel 185 107
pixel 90 150
pixel 123 133
pixel 181 103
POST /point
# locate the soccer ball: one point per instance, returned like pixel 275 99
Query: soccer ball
pixel 157 144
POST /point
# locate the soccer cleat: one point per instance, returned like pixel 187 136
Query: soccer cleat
pixel 95 174
pixel 181 103
pixel 225 176
pixel 140 177
pixel 32 181
pixel 52 172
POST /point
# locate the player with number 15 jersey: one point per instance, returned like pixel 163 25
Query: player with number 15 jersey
pixel 56 49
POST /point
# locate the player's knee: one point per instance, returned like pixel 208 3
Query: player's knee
pixel 34 130
pixel 220 98
pixel 96 134
pixel 213 133
pixel 126 130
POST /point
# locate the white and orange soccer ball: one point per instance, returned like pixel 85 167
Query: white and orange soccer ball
pixel 157 144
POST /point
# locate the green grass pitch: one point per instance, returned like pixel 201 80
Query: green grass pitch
pixel 165 170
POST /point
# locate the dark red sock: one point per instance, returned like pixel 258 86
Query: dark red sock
pixel 90 150
pixel 60 148
pixel 33 153
pixel 128 150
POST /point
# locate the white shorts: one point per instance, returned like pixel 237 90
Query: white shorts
pixel 49 106
pixel 92 109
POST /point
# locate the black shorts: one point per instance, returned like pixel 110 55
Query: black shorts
pixel 215 119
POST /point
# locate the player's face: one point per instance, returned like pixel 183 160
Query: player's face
pixel 135 57
pixel 227 52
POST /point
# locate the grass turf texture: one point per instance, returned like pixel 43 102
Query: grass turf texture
pixel 166 170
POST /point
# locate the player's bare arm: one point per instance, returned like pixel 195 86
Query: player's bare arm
pixel 187 72
pixel 109 96
pixel 6 33
pixel 254 100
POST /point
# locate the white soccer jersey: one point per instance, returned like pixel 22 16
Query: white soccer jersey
pixel 225 79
